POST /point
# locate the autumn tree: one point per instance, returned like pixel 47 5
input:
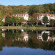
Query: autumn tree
pixel 35 17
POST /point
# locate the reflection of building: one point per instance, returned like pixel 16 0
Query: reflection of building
pixel 3 29
pixel 3 35
pixel 40 35
pixel 24 37
pixel 51 39
pixel 48 32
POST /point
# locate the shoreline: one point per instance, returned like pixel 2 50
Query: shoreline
pixel 31 28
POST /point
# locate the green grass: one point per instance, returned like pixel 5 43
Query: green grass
pixel 31 28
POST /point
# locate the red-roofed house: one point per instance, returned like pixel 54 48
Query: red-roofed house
pixel 24 15
pixel 50 16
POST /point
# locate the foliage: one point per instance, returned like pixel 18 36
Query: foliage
pixel 35 17
pixel 45 36
pixel 21 19
pixel 32 20
pixel 13 20
pixel 8 20
pixel 45 8
pixel 17 20
pixel 32 9
pixel 45 19
pixel 52 22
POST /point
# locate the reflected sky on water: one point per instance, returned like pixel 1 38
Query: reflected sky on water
pixel 27 42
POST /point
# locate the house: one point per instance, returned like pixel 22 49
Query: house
pixel 41 15
pixel 24 15
pixel 4 18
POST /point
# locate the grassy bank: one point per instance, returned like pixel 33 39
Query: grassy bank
pixel 31 28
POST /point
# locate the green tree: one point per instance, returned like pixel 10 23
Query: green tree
pixel 1 16
pixel 17 20
pixel 52 22
pixel 13 20
pixel 45 20
pixel 21 19
pixel 32 21
pixel 8 20
pixel 33 9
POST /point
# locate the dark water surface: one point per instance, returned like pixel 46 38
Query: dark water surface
pixel 27 42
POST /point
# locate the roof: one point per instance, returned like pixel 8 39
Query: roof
pixel 20 14
pixel 45 14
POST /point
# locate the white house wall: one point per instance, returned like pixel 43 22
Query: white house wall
pixel 50 16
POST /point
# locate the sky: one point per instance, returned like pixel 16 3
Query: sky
pixel 25 2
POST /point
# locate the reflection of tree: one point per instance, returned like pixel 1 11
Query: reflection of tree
pixel 32 42
pixel 52 33
pixel 19 43
pixel 45 36
pixel 0 48
pixel 48 45
pixel 1 41
pixel 9 35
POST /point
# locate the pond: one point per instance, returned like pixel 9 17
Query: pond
pixel 27 42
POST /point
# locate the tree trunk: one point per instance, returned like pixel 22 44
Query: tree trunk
pixel 8 24
pixel 45 25
pixel 13 24
pixel 13 31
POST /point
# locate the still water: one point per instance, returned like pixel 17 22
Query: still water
pixel 27 42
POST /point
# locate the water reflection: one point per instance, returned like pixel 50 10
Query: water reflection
pixel 22 37
pixel 45 36
pixel 31 39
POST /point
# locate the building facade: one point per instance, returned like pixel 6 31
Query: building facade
pixel 50 16
pixel 24 15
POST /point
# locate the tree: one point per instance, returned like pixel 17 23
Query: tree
pixel 32 21
pixel 8 20
pixel 13 20
pixel 35 17
pixel 1 16
pixel 45 20
pixel 33 9
pixel 17 20
pixel 21 19
pixel 52 22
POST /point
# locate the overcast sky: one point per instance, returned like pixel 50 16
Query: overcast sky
pixel 25 2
